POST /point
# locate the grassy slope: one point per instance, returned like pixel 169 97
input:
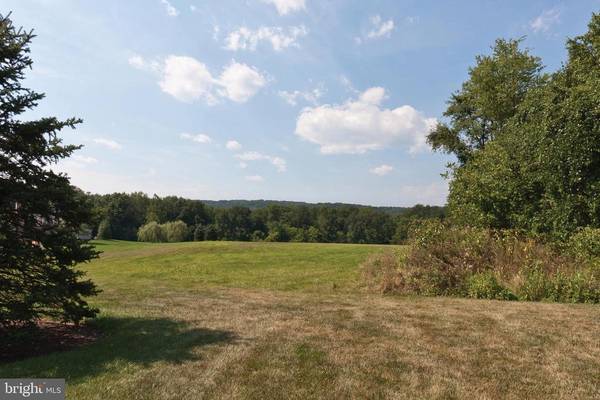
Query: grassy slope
pixel 245 320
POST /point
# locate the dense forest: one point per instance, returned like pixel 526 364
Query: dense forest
pixel 137 216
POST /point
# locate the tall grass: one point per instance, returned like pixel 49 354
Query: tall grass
pixel 471 262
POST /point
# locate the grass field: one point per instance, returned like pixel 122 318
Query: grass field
pixel 226 320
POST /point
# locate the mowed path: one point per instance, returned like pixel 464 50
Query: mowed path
pixel 269 321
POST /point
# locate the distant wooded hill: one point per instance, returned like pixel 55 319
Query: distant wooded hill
pixel 258 204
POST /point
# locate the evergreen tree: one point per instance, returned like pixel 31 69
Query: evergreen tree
pixel 40 212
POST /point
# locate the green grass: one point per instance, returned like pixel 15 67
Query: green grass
pixel 227 320
pixel 277 266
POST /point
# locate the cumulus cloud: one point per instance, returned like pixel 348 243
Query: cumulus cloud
pixel 254 178
pixel 287 6
pixel 239 82
pixel 171 11
pixel 361 125
pixel 279 38
pixel 543 22
pixel 198 138
pixel 278 162
pixel 310 96
pixel 382 170
pixel 108 143
pixel 233 145
pixel 188 79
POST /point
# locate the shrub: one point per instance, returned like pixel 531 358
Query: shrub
pixel 382 272
pixel 176 231
pixel 441 258
pixel 472 262
pixel 585 245
pixel 484 285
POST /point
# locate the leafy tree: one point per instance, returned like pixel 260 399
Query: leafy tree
pixel 542 174
pixel 176 231
pixel 279 232
pixel 199 232
pixel 151 232
pixel 487 100
pixel 211 232
pixel 40 212
pixel 104 230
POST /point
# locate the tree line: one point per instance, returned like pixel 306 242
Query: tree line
pixel 136 216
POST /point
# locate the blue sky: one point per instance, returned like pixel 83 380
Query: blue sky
pixel 276 99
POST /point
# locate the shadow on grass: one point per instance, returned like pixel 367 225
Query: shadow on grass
pixel 126 340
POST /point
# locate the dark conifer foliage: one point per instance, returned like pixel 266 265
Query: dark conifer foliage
pixel 40 212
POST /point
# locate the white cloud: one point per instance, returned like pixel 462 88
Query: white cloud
pixel 111 144
pixel 138 62
pixel 84 159
pixel 361 125
pixel 233 145
pixel 374 95
pixel 379 28
pixel 171 11
pixel 287 6
pixel 198 138
pixel 280 38
pixel 382 170
pixel 240 82
pixel 310 96
pixel 254 178
pixel 277 162
pixel 187 79
pixel 243 164
pixel 544 21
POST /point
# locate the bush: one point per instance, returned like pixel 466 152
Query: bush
pixel 585 245
pixel 381 272
pixel 485 286
pixel 447 260
pixel 176 231
pixel 441 258
pixel 151 232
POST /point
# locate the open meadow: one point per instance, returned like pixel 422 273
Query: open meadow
pixel 234 320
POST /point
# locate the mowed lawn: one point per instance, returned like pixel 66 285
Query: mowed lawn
pixel 227 320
